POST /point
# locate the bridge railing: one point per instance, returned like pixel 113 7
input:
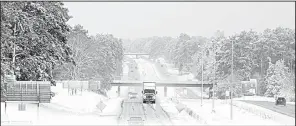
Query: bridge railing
pixel 164 83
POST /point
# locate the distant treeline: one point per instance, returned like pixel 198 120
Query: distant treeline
pixel 266 56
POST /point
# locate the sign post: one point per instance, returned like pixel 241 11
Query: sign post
pixel 201 77
pixel 213 99
pixel 227 93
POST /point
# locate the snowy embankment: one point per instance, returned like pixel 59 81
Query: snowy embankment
pixel 82 109
pixel 222 114
pixel 240 107
pixel 262 112
pixel 66 110
pixel 84 102
pixel 177 115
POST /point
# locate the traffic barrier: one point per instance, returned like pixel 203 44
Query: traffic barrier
pixel 121 110
pixel 190 112
pixel 165 112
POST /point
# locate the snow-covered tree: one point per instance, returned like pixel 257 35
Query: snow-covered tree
pixel 38 31
pixel 96 58
pixel 279 80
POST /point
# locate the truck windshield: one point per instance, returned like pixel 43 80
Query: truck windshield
pixel 149 91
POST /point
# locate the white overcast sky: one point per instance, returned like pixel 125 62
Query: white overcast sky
pixel 146 19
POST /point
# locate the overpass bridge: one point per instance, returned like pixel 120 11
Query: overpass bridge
pixel 164 84
pixel 137 54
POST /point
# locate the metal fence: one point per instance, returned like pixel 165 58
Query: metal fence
pixel 29 91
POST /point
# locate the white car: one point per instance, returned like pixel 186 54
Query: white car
pixel 132 93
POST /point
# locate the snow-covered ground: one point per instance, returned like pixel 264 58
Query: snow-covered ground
pixel 68 110
pixel 86 102
pixel 259 98
pixel 177 118
pixel 255 98
pixel 65 109
pixel 222 114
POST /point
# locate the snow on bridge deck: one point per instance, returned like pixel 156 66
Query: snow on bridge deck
pixel 136 54
pixel 164 83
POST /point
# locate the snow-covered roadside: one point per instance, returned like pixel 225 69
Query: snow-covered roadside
pixel 255 98
pixel 53 116
pixel 222 116
pixel 79 103
pixel 217 117
pixel 259 98
pixel 260 112
pixel 177 118
pixel 68 110
pixel 49 117
pixel 263 113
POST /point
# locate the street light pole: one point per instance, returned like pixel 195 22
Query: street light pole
pixel 213 89
pixel 14 50
pixel 231 88
pixel 202 75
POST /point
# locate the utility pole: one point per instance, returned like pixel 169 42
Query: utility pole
pixel 201 75
pixel 213 89
pixel 231 85
pixel 13 54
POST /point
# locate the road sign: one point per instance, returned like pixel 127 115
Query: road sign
pixel 227 93
pixel 101 105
